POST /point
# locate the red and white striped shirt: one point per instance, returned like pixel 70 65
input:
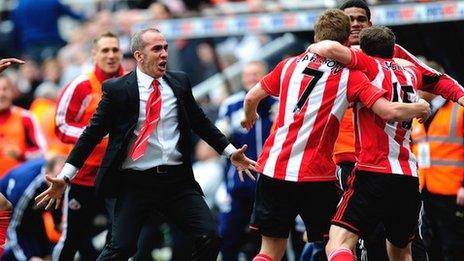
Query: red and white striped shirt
pixel 314 93
pixel 433 81
pixel 383 146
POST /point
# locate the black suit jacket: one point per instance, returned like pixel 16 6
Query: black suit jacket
pixel 117 115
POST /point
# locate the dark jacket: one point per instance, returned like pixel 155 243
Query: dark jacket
pixel 117 115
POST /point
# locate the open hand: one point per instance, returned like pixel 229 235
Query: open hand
pixel 52 194
pixel 243 163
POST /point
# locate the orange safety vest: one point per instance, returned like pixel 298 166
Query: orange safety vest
pixel 445 139
pixel 12 137
pixel 44 110
pixel 344 149
pixel 97 154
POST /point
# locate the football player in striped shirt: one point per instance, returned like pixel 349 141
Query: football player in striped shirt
pixel 296 166
pixel 382 148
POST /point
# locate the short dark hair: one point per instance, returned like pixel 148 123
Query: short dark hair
pixel 333 25
pixel 377 41
pixel 359 4
pixel 104 35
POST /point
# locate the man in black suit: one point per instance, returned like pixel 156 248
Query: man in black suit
pixel 157 183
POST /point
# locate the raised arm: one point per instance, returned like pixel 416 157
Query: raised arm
pixel 332 50
pixel 250 105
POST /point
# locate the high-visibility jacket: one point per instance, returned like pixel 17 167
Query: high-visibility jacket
pixel 344 150
pixel 444 139
pixel 44 110
pixel 19 132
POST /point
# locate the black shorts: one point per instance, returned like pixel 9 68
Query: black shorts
pixel 278 202
pixel 372 197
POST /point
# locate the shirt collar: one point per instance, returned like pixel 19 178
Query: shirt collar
pixel 102 76
pixel 144 80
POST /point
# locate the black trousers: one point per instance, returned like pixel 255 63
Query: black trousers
pixel 81 209
pixel 443 227
pixel 164 193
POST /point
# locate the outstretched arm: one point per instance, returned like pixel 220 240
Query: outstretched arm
pixel 332 50
pixel 250 105
pixel 54 193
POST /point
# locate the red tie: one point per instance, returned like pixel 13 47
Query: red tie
pixel 153 114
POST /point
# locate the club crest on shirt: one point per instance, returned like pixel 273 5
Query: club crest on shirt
pixel 73 204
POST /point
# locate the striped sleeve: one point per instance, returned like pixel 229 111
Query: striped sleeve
pixel 271 82
pixel 36 144
pixel 70 110
pixel 433 81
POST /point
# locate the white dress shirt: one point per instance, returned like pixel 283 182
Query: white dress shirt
pixel 161 148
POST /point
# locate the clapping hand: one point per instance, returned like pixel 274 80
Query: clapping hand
pixel 52 194
pixel 243 163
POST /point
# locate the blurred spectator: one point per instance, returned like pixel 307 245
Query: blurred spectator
pixel 20 134
pixel 128 63
pixel 27 81
pixel 208 171
pixel 43 107
pixel 439 147
pixel 27 237
pixel 36 27
pixel 51 74
pixel 207 57
pixel 235 216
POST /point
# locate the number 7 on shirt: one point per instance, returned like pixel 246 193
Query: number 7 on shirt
pixel 316 76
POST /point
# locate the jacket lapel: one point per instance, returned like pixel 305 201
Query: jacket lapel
pixel 175 86
pixel 132 89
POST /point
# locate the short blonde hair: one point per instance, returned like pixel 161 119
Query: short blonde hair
pixel 332 24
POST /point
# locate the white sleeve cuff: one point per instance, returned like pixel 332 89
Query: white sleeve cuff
pixel 68 170
pixel 229 150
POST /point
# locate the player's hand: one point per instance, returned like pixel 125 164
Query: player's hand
pixel 460 197
pixel 4 63
pixel 461 101
pixel 53 194
pixel 249 121
pixel 425 107
pixel 242 163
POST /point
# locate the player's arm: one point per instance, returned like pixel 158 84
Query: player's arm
pixel 360 89
pixel 352 58
pixel 398 111
pixel 250 105
pixel 332 50
pixel 403 62
pixel 269 85
pixel 434 81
